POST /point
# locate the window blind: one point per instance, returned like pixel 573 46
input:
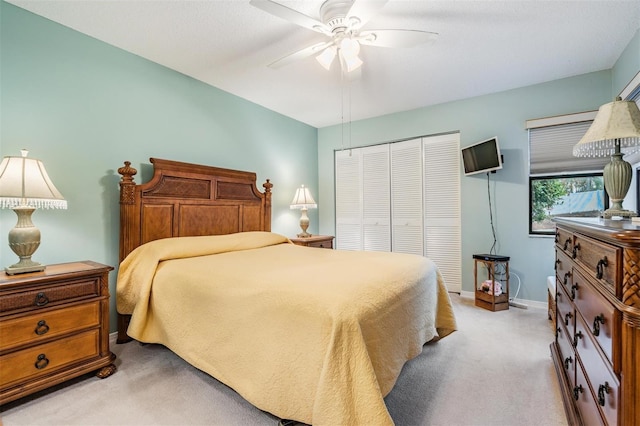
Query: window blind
pixel 551 150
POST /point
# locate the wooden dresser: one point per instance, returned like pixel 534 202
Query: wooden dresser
pixel 596 352
pixel 321 241
pixel 54 325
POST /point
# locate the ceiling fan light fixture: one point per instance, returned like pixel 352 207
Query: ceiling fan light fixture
pixel 350 62
pixel 326 57
pixel 349 49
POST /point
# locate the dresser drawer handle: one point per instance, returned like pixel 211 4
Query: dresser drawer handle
pixel 602 263
pixel 578 335
pixel 566 318
pixel 41 299
pixel 566 243
pixel 596 324
pixel 557 238
pixel 602 390
pixel 575 250
pixel 577 391
pixel 42 361
pixel 567 361
pixel 557 263
pixel 41 328
pixel 567 275
pixel 574 288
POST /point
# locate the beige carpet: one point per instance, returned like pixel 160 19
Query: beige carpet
pixel 496 370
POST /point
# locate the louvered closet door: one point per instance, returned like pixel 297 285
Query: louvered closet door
pixel 348 166
pixel 442 218
pixel 376 206
pixel 406 197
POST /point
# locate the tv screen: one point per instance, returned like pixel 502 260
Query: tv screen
pixel 482 157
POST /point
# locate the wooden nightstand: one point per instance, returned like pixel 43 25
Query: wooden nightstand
pixel 322 241
pixel 54 325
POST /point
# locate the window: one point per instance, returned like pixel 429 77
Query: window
pixel 559 183
pixel 564 195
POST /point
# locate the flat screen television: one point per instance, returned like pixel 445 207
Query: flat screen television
pixel 482 157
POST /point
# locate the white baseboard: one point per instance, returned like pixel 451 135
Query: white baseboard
pixel 534 304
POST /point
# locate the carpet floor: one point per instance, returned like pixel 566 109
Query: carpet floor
pixel 495 370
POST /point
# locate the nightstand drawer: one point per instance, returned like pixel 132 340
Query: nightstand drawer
pixel 48 357
pixel 321 244
pixel 41 326
pixel 319 241
pixel 48 295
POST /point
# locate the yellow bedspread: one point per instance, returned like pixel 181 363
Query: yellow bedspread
pixel 314 335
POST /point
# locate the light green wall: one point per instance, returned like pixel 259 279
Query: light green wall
pixel 502 115
pixel 627 65
pixel 84 107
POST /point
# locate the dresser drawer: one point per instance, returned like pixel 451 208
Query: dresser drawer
pixel 600 317
pixel 564 265
pixel 564 240
pixel 40 296
pixel 565 311
pixel 49 324
pixel 600 260
pixel 47 357
pixel 567 355
pixel 584 400
pixel 603 382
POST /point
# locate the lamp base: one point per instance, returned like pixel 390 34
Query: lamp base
pixel 304 234
pixel 24 266
pixel 609 213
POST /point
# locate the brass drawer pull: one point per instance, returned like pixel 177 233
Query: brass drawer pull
pixel 596 324
pixel 41 328
pixel 42 361
pixel 602 263
pixel 602 390
pixel 41 299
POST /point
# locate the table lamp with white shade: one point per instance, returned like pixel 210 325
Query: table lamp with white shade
pixel 615 131
pixel 24 187
pixel 303 201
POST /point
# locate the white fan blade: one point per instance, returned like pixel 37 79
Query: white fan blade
pixel 395 38
pixel 301 54
pixel 362 11
pixel 291 15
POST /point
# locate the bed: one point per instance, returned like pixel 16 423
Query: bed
pixel 314 335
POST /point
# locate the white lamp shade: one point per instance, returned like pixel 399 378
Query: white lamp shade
pixel 24 182
pixel 326 57
pixel 303 199
pixel 617 122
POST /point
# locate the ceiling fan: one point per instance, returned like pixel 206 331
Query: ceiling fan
pixel 342 21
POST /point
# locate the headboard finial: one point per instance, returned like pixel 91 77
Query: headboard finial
pixel 127 183
pixel 267 186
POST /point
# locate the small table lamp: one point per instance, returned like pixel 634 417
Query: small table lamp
pixel 24 187
pixel 303 201
pixel 615 131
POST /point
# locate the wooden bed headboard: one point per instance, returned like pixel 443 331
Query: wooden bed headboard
pixel 184 199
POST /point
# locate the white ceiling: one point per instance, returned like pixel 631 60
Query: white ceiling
pixel 484 46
